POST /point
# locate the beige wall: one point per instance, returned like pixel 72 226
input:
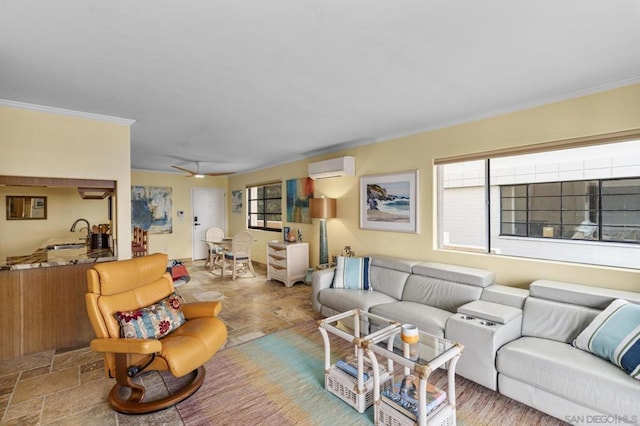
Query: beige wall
pixel 64 206
pixel 36 143
pixel 298 169
pixel 177 244
pixel 611 111
pixel 90 149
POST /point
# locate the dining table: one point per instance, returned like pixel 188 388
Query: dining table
pixel 217 260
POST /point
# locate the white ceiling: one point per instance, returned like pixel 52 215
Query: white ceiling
pixel 245 84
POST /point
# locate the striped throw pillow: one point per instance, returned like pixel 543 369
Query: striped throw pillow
pixel 614 335
pixel 352 273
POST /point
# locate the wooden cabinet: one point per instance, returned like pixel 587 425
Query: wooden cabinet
pixel 45 309
pixel 287 262
pixel 10 319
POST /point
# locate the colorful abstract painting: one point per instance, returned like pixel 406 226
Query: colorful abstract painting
pixel 299 192
pixel 151 209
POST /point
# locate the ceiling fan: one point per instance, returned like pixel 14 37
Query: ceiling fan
pixel 198 174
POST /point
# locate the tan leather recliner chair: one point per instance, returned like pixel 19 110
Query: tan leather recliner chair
pixel 132 284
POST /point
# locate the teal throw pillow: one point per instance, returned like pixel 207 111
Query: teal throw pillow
pixel 614 335
pixel 352 273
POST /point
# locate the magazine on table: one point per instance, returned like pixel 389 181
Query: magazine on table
pixel 350 366
pixel 404 396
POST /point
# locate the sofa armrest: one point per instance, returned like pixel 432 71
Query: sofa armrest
pixel 321 279
pixel 483 328
pixel 495 312
pixel 126 346
pixel 201 309
pixel 504 295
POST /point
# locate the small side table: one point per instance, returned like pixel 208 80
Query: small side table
pixel 432 352
pixel 363 330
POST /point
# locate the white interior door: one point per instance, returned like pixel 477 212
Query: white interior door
pixel 208 207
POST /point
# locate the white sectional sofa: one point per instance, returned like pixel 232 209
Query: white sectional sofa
pixel 516 341
pixel 423 293
pixel 543 370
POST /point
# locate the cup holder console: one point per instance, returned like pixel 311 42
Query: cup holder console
pixel 480 321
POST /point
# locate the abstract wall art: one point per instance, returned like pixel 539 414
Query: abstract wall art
pixel 236 201
pixel 151 209
pixel 299 192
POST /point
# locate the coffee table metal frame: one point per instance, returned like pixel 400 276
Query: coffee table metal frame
pixel 357 392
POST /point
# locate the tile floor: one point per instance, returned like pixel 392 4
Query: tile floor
pixel 70 388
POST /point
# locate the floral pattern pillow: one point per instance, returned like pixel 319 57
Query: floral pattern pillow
pixel 154 321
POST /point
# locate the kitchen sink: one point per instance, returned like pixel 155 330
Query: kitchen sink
pixel 66 246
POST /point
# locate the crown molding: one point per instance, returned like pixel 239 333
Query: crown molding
pixel 68 112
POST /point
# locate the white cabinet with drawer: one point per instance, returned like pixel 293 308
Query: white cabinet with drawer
pixel 287 262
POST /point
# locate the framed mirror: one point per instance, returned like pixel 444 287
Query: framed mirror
pixel 26 207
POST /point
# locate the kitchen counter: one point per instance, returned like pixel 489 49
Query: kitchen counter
pixel 43 258
pixel 45 305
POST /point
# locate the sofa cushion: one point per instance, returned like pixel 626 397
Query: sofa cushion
pixel 342 300
pixel 395 263
pixel 577 294
pixel 455 273
pixel 575 375
pixel 352 273
pixel 153 321
pixel 388 281
pixel 504 295
pixel 428 318
pixel 439 293
pixel 553 320
pixel 614 335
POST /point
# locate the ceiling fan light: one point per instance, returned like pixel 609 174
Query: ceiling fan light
pixel 198 175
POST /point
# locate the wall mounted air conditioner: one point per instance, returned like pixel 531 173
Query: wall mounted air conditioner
pixel 342 166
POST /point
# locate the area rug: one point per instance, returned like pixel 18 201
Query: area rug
pixel 278 379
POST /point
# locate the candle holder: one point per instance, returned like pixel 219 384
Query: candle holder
pixel 411 337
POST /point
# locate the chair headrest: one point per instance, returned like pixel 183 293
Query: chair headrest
pixel 124 275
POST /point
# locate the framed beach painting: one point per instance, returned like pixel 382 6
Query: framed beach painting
pixel 389 202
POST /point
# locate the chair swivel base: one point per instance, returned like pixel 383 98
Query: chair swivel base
pixel 134 405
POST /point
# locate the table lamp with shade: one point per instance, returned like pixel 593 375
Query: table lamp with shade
pixel 323 209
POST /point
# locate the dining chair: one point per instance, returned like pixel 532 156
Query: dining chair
pixel 240 254
pixel 214 251
pixel 139 242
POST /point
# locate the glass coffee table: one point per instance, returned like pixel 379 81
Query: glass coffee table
pixel 411 399
pixel 355 378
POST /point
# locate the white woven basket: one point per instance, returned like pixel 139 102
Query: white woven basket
pixel 344 385
pixel 389 416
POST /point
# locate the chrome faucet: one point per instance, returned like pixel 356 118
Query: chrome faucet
pixel 73 228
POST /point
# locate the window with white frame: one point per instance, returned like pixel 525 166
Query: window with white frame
pixel 264 206
pixel 575 205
